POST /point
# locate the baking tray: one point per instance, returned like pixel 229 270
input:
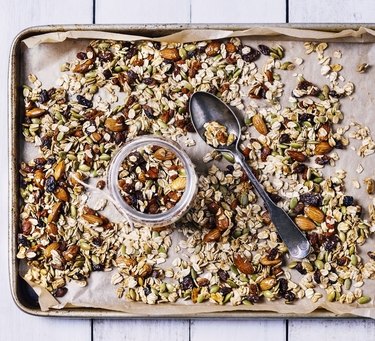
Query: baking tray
pixel 23 296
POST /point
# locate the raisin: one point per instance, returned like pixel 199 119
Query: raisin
pixel 323 160
pixel 300 268
pixel 100 184
pixel 107 74
pixel 342 261
pixel 317 275
pixel 371 254
pixel 253 298
pixel 290 296
pixel 148 111
pixel 97 241
pixel 187 283
pixel 229 170
pixel 348 200
pixel 274 197
pixel 300 168
pixel 105 56
pixel 314 240
pixel 51 184
pixel 306 118
pixel 313 199
pixel 22 240
pixel 44 96
pixel 84 101
pixel 213 207
pixel 147 290
pixel 81 55
pixel 339 144
pixel 149 81
pixel 252 56
pixel 284 138
pixel 225 291
pixel 331 242
pixel 60 292
pixel 273 253
pixel 223 275
pixel 265 151
pixel 283 286
pixel 157 45
pixel 97 267
pixel 46 141
pixel 264 50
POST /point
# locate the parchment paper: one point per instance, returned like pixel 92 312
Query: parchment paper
pixel 357 47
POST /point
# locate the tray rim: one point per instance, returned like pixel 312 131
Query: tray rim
pixel 13 189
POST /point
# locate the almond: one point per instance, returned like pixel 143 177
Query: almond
pixel 84 67
pixel 48 250
pixel 315 213
pixel 230 47
pixel 243 264
pixel 304 223
pixel 212 236
pixel 93 219
pixel 170 54
pixel 51 230
pixel 114 125
pixel 269 262
pixel 73 179
pixel 71 253
pixel 222 222
pixel 213 48
pixel 96 137
pixel 164 154
pixel 322 148
pixel 323 132
pixel 39 178
pixel 259 124
pixel 267 283
pixel 35 112
pixel 62 194
pixel 55 212
pixel 59 170
pixel 178 184
pixel 145 271
pixel 296 155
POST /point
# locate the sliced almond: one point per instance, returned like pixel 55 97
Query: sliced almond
pixel 304 223
pixel 315 214
pixel 322 148
pixel 243 264
pixel 259 124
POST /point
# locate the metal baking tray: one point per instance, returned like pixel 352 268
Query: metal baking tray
pixel 23 295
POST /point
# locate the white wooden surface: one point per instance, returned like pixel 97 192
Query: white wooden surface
pixel 18 14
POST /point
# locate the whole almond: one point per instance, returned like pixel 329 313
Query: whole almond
pixel 259 124
pixel 55 212
pixel 267 283
pixel 59 170
pixel 39 178
pixel 322 148
pixel 304 223
pixel 114 125
pixel 212 236
pixel 297 156
pixel 93 219
pixel 213 48
pixel 84 67
pixel 243 264
pixel 35 112
pixel 164 154
pixel 49 248
pixel 170 54
pixel 62 194
pixel 314 213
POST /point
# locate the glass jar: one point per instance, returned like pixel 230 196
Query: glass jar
pixel 182 206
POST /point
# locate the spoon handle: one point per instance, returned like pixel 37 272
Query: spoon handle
pixel 294 239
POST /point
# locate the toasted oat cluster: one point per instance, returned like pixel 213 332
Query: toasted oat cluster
pixel 230 252
pixel 216 134
pixel 152 179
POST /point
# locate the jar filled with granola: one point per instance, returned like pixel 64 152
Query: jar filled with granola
pixel 153 180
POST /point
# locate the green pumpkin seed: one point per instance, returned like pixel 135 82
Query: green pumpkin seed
pixel 214 289
pixel 347 283
pixel 331 296
pixel 232 284
pixel 353 260
pixel 293 203
pixel 364 300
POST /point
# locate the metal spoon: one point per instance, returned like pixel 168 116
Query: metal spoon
pixel 205 107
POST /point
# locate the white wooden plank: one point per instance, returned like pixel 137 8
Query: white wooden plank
pixel 220 330
pixel 331 330
pixel 238 11
pixel 14 324
pixel 141 330
pixel 333 11
pixel 142 11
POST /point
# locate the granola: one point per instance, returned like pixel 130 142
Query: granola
pixel 230 252
pixel 216 134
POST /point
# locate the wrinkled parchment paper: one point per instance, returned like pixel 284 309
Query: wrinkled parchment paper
pixel 357 47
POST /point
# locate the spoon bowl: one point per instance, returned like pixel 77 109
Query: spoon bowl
pixel 205 107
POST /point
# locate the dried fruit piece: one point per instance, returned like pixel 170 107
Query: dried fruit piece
pixel 230 47
pixel 145 271
pixel 84 67
pixel 164 154
pixel 259 124
pixel 62 194
pixel 170 54
pixel 71 253
pixel 213 48
pixel 267 283
pixel 39 178
pixel 93 219
pixel 323 148
pixel 297 156
pixel 178 183
pixel 48 250
pixel 315 214
pixel 304 223
pixel 243 264
pixel 59 170
pixel 212 236
pixel 370 185
pixel 114 125
pixel 222 222
pixel 266 261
